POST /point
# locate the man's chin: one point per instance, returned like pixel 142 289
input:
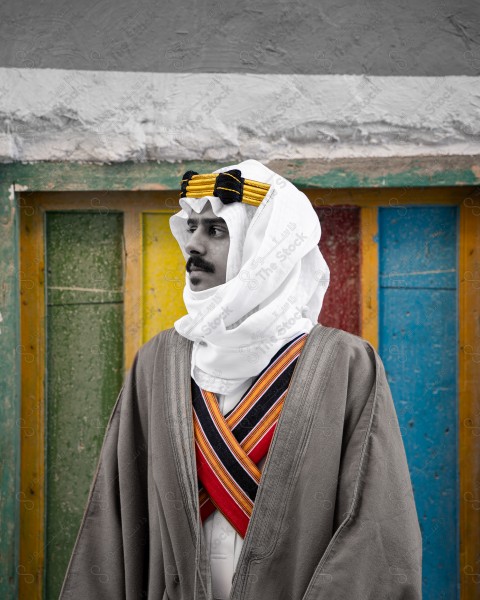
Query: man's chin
pixel 201 280
pixel 198 281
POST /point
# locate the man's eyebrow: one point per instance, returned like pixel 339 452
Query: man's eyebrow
pixel 207 221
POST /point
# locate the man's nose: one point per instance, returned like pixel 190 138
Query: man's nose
pixel 196 243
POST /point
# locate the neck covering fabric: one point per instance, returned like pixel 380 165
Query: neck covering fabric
pixel 276 280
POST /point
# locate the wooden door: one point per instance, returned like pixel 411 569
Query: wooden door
pixel 101 274
pixel 84 366
pixel 418 289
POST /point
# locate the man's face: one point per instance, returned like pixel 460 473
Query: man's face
pixel 207 246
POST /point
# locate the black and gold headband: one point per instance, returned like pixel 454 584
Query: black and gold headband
pixel 229 186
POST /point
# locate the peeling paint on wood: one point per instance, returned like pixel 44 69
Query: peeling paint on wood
pixel 340 245
pixel 315 173
pixel 469 401
pixel 84 368
pixel 163 275
pixel 418 344
pixel 429 171
pixel 10 396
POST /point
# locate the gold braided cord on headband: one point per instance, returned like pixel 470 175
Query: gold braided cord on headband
pixel 202 185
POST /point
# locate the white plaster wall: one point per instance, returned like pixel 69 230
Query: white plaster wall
pixel 56 114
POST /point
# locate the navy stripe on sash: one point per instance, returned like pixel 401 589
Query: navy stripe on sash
pixel 263 404
pixel 221 448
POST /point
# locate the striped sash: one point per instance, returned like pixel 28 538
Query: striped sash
pixel 228 448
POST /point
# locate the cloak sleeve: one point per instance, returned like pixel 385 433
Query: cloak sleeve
pixel 376 549
pixel 110 559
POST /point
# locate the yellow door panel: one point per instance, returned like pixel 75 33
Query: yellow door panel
pixel 163 275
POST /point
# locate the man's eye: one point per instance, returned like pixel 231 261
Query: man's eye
pixel 219 229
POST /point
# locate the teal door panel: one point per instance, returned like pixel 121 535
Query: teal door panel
pixel 418 344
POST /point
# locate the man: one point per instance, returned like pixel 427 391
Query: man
pixel 252 453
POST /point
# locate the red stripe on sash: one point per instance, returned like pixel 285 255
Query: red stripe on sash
pixel 223 489
pixel 207 505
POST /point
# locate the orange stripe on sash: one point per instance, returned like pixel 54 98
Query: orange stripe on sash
pixel 220 471
pixel 262 384
pixel 228 435
pixel 228 449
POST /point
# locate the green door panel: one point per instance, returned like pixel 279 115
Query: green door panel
pixel 84 367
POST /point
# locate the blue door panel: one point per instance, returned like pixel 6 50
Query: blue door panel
pixel 418 344
pixel 418 247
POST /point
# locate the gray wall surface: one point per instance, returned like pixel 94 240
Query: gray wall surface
pixel 407 37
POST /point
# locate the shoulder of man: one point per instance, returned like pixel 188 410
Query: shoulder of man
pixel 151 346
pixel 358 376
pixel 148 352
pixel 140 380
pixel 354 366
pixel 357 351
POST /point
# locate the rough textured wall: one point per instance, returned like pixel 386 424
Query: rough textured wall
pixel 408 37
pixel 115 81
pixel 99 116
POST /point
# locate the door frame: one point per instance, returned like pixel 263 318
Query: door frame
pixel 396 178
pixel 33 209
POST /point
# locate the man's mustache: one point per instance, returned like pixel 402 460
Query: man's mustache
pixel 200 264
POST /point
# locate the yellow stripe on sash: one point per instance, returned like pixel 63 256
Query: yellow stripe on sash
pixel 258 432
pixel 261 385
pixel 229 438
pixel 237 493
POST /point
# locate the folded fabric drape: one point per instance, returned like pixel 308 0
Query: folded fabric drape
pixel 276 277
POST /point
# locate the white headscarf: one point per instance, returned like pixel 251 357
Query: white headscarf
pixel 275 282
